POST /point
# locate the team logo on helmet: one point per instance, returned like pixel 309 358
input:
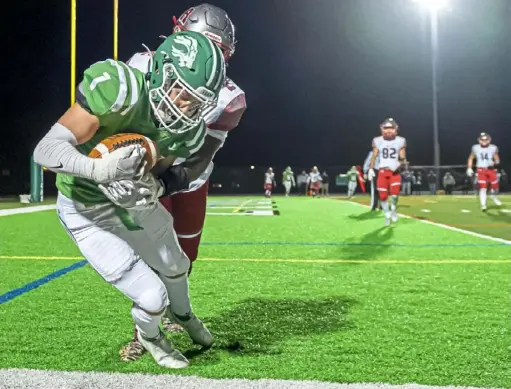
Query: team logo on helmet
pixel 188 53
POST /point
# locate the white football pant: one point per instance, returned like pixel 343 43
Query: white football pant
pixel 147 265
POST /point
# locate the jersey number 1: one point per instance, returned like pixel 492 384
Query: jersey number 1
pixel 98 80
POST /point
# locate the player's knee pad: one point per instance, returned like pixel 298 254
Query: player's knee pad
pixel 153 299
pixel 384 194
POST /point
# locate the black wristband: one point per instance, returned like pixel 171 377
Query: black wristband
pixel 174 179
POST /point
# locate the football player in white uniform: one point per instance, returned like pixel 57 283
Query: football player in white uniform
pixel 391 150
pixel 315 181
pixel 487 155
pixel 269 182
pixel 188 207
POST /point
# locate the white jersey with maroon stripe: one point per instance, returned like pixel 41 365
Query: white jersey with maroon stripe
pixel 485 155
pixel 314 177
pixel 269 178
pixel 222 119
pixel 388 151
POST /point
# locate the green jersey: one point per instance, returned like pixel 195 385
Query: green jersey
pixel 118 96
pixel 288 176
pixel 352 175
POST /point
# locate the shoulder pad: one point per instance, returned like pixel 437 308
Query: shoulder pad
pixel 110 87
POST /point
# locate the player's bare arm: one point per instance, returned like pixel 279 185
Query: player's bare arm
pixel 373 157
pixel 470 160
pixel 82 124
pixel 496 158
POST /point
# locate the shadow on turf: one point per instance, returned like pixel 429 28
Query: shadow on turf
pixel 370 246
pixel 258 326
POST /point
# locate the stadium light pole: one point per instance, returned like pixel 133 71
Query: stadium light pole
pixel 434 7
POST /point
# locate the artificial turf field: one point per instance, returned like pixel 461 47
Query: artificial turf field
pixel 296 288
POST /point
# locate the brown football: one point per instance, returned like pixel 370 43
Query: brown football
pixel 116 141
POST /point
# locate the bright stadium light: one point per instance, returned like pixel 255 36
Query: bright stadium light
pixel 434 7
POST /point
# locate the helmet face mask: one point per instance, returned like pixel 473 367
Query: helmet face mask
pixel 212 22
pixel 179 68
pixel 484 139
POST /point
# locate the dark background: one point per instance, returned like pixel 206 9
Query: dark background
pixel 319 75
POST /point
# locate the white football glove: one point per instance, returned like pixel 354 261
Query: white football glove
pixel 123 163
pixel 370 174
pixel 134 194
pixel 470 172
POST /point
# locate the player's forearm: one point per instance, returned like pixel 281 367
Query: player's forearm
pixel 57 152
pixel 469 162
pixel 178 178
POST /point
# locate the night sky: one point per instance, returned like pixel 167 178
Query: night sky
pixel 319 75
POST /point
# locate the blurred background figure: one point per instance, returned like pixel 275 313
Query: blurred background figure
pixel 325 182
pixel 288 180
pixel 301 181
pixel 449 182
pixel 352 181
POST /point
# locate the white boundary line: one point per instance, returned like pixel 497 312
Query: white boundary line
pixel 40 379
pixel 445 226
pixel 36 208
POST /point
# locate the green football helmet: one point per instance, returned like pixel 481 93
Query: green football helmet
pixel 186 75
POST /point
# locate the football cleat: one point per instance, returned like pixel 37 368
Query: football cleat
pixel 394 217
pixel 170 326
pixel 194 327
pixel 132 351
pixel 162 352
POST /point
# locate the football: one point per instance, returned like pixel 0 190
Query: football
pixel 116 141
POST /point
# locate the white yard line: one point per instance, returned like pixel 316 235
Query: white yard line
pixel 42 379
pixel 445 226
pixel 36 208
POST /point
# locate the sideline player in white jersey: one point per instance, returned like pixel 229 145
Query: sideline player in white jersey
pixel 315 181
pixel 188 207
pixel 487 155
pixel 269 182
pixel 391 150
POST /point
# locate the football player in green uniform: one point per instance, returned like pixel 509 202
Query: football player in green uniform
pixel 288 180
pixel 136 250
pixel 352 175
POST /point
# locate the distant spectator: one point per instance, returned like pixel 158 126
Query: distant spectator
pixel 431 178
pixel 301 181
pixel 406 178
pixel 417 182
pixel 503 180
pixel 325 181
pixel 449 183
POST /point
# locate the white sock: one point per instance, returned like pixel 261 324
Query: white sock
pixel 385 207
pixel 494 198
pixel 393 204
pixel 482 197
pixel 147 325
pixel 179 298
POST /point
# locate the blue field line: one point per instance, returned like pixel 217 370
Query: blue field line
pixel 41 281
pixel 351 244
